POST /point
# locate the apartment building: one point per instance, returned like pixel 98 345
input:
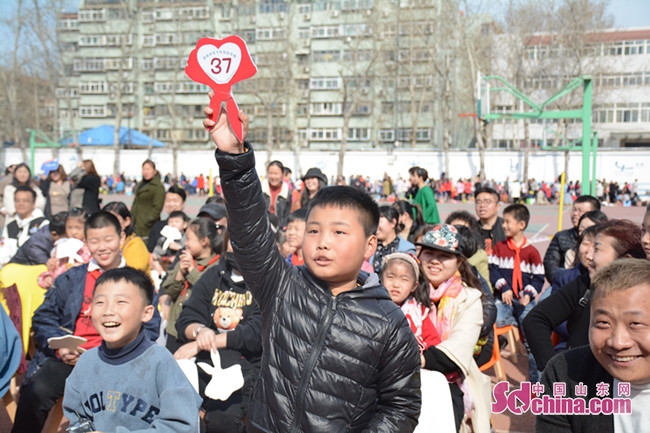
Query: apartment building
pixel 618 61
pixel 360 69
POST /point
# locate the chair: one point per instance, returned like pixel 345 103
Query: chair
pixel 495 360
pixel 514 341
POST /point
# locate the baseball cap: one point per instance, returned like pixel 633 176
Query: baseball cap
pixel 216 211
pixel 443 237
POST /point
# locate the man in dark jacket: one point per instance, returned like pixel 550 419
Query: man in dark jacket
pixel 611 374
pixel 338 354
pixel 566 240
pixel 487 210
pixel 37 249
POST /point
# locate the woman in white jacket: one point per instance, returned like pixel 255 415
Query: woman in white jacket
pixel 457 313
pixel 22 177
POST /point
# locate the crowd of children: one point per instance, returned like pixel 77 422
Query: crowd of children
pixel 316 311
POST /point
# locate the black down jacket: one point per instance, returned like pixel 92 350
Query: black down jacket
pixel 346 363
pixel 562 242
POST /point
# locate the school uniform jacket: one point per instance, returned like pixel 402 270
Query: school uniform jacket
pixel 346 363
pixel 59 312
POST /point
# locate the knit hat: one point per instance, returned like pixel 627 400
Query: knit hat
pixel 443 237
pixel 315 172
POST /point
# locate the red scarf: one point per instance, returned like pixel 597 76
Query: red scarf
pixel 199 268
pixel 517 280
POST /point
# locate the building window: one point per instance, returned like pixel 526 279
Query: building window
pixel 319 32
pixel 386 135
pixel 326 56
pixel 359 134
pixel 324 134
pixel 326 108
pixel 325 83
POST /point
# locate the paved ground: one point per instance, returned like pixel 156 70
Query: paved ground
pixel 544 222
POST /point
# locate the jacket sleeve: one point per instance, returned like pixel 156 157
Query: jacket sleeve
pixel 170 286
pixel 158 201
pixel 197 308
pixel 552 258
pixel 48 318
pixel 400 399
pixel 9 205
pixel 535 279
pixel 545 316
pixel 253 241
pixel 246 338
pixel 498 281
pixel 38 248
pixel 553 423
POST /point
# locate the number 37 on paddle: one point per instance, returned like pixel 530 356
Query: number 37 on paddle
pixel 219 64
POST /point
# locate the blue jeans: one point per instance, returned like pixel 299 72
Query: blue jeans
pixel 514 315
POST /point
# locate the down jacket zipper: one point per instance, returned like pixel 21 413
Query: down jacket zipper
pixel 311 364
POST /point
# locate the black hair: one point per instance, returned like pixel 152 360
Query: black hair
pixel 596 216
pixel 120 208
pixel 462 215
pixel 595 203
pixel 350 197
pixel 519 212
pixel 488 190
pixel 215 199
pixel 404 207
pixel 102 219
pixel 419 171
pixel 129 275
pixel 206 228
pixel 286 170
pixel 57 223
pixel 25 188
pixel 175 189
pixel 179 214
pixel 390 213
pixel 277 164
pixel 472 224
pixel 469 240
pixel 297 215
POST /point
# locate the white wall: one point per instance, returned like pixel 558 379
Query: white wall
pixel 620 165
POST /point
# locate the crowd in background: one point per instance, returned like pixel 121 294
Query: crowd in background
pixel 467 273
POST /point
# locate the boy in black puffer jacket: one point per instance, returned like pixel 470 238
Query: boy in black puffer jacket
pixel 338 354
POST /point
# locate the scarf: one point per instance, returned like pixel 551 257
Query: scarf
pixel 199 268
pixel 517 279
pixel 444 316
pixel 443 306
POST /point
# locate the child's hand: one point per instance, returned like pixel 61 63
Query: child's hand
pixel 47 281
pixel 69 356
pixel 52 264
pixel 187 351
pixel 221 132
pixel 524 300
pixel 506 297
pixel 186 262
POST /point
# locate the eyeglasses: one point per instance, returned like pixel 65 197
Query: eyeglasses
pixel 484 202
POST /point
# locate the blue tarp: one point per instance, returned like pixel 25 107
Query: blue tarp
pixel 103 136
